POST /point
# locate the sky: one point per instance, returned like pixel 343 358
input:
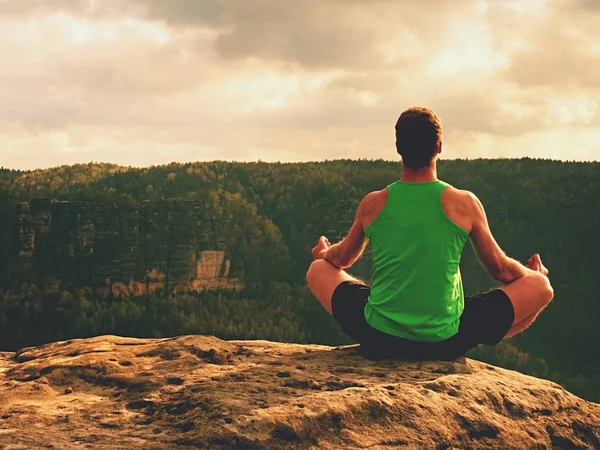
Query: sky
pixel 145 82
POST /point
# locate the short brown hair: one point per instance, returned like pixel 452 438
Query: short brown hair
pixel 418 133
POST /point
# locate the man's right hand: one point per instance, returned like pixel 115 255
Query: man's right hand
pixel 535 263
pixel 318 251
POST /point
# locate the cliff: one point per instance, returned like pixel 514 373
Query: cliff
pixel 203 392
pixel 121 247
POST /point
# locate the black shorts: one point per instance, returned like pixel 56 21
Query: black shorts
pixel 486 319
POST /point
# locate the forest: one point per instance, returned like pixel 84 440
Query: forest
pixel 66 231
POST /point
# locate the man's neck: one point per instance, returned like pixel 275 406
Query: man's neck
pixel 419 175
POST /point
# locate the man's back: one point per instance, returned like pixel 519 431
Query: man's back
pixel 417 287
pixel 418 227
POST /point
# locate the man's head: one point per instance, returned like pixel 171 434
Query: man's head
pixel 418 137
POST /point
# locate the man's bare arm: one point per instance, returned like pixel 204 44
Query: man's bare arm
pixel 346 252
pixel 496 262
pixel 335 255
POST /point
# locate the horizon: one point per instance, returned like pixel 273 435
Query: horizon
pixel 146 82
pixel 259 161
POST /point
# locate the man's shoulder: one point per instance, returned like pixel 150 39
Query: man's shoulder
pixel 461 200
pixel 374 197
pixel 377 199
pixel 461 195
pixel 373 203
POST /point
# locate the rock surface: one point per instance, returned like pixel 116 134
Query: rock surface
pixel 203 392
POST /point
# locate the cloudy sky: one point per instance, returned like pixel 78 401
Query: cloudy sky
pixel 141 82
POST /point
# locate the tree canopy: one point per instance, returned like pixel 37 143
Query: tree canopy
pixel 266 217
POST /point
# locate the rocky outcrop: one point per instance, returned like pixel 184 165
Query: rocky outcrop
pixel 123 248
pixel 203 392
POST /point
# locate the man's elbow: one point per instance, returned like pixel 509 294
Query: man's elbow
pixel 343 264
pixel 500 273
pixel 501 276
pixel 347 261
pixel 498 267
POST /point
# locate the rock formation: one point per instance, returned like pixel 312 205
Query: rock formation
pixel 120 247
pixel 203 392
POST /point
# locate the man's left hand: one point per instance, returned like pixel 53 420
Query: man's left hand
pixel 319 250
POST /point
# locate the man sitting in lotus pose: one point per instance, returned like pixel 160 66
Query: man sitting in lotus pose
pixel 418 227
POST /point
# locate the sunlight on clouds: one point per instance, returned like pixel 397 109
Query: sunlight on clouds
pixel 522 8
pixel 84 31
pixel 582 39
pixel 368 98
pixel 159 34
pixel 401 43
pixel 517 109
pixel 446 63
pixel 262 91
pixel 81 31
pixel 466 51
pixel 568 143
pixel 472 59
pixel 146 82
pixel 62 142
pixel 572 111
pixel 270 90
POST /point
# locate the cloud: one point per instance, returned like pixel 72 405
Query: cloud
pixel 148 81
pixel 311 33
pixel 563 53
pixel 66 69
pixel 314 34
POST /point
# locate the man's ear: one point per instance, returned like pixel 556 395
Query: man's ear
pixel 439 148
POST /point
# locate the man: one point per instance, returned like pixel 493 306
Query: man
pixel 418 227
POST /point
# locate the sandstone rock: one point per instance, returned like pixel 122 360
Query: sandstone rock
pixel 203 392
pixel 120 248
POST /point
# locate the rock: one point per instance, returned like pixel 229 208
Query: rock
pixel 118 248
pixel 203 392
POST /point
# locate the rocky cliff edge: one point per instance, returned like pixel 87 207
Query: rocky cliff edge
pixel 204 392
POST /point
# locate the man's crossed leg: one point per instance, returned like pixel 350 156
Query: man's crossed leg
pixel 529 294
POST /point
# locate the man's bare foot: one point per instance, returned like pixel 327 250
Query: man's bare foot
pixel 535 263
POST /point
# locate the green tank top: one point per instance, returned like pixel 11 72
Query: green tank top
pixel 417 290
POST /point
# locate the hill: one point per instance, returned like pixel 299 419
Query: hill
pixel 140 233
